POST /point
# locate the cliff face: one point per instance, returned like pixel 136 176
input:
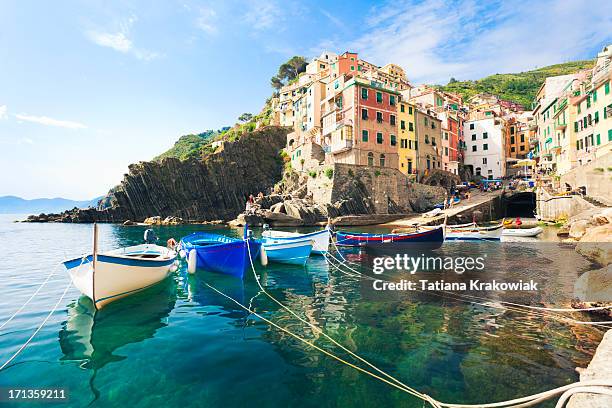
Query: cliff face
pixel 199 190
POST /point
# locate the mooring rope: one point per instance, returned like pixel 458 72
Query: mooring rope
pixel 31 297
pixel 518 402
pixel 24 345
pixel 318 330
pixel 540 308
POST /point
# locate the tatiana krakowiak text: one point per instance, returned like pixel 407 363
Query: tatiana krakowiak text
pixel 471 285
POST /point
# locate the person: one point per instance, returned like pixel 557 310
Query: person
pixel 171 243
pixel 518 221
pixel 150 237
pixel 260 195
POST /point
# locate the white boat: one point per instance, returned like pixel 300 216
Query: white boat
pixel 320 239
pixel 111 275
pixel 290 251
pixel 522 232
pixel 474 232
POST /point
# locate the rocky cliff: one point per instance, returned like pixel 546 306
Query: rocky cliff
pixel 215 187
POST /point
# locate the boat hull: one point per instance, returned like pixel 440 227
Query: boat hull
pixel 429 239
pixel 221 254
pixel 288 251
pixel 320 239
pixel 522 232
pixel 120 273
pixel 467 233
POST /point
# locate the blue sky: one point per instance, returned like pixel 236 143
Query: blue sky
pixel 88 87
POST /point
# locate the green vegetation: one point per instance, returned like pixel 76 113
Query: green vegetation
pixel 312 174
pixel 329 173
pixel 189 146
pixel 520 88
pixel 288 72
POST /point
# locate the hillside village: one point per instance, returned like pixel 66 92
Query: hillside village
pixel 343 109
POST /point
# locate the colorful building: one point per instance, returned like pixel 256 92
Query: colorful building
pixel 485 136
pixel 428 140
pixel 407 137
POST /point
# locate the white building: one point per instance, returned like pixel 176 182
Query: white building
pixel 484 139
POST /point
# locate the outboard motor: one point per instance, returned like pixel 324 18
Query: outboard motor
pixel 150 237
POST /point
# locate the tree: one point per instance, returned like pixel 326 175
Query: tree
pixel 288 71
pixel 245 117
pixel 276 83
pixel 452 80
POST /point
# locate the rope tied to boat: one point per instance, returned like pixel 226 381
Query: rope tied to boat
pixel 39 328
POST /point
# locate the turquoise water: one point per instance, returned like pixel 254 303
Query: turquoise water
pixel 180 344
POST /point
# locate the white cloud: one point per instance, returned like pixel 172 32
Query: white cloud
pixel 333 18
pixel 466 39
pixel 3 114
pixel 120 41
pixel 47 121
pixel 206 20
pixel 263 15
pixel 117 41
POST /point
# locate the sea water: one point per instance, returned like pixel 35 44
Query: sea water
pixel 180 344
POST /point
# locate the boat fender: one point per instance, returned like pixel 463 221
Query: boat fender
pixel 173 268
pixel 182 253
pixel 263 256
pixel 192 262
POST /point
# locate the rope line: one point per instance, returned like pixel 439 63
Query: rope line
pixel 31 297
pixel 24 345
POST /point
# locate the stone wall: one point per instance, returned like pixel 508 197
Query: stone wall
pixel 552 208
pixel 595 176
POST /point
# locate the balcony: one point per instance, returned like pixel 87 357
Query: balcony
pixel 341 145
pixel 560 126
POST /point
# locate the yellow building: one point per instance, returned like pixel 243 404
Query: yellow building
pixel 407 138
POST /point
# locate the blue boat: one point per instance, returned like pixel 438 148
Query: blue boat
pixel 220 253
pixel 293 251
pixel 430 239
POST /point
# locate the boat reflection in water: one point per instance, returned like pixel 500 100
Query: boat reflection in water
pixel 91 336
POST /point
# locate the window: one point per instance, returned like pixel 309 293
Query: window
pixel 511 139
pixel 512 130
pixel 364 114
pixel 513 149
pixel 588 102
pixel 579 106
pixel 598 138
pixel 425 121
pixel 370 159
pixel 382 160
pixel 379 97
pixel 359 67
pixel 474 148
pixel 364 93
pixel 426 139
pixel 428 164
pixel 410 109
pixel 392 100
pixel 473 137
pixel 471 126
pixel 522 138
pixel 609 135
pixel 433 141
pixel 446 151
pixel 409 166
pixel 596 117
pixel 433 124
pixel 485 147
pixel 403 143
pixel 607 88
pixel 364 135
pixel 393 140
pixel 478 171
pixel 411 126
pixel 484 160
pixel 416 142
pixel 594 96
pixel 402 107
pixel 485 135
pixel 379 138
pixel 575 126
pixel 402 124
pixel 445 135
pixel 379 117
pixel 392 120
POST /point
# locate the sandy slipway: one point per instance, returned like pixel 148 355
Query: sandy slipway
pixel 471 285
